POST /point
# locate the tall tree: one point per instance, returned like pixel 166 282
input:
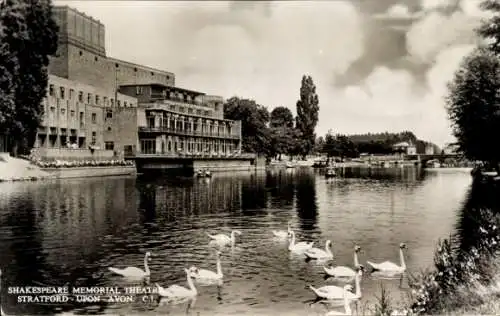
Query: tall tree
pixel 307 113
pixel 254 119
pixel 32 81
pixel 281 117
pixel 12 31
pixel 491 28
pixel 473 106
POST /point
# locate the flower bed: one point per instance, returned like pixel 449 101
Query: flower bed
pixel 83 163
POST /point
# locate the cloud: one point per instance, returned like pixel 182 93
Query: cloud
pixel 429 5
pixel 260 50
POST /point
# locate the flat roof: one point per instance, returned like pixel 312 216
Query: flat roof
pixel 160 85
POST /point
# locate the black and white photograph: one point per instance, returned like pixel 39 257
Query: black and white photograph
pixel 245 158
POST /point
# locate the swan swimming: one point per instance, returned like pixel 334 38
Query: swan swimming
pixel 224 239
pixel 316 253
pixel 347 304
pixel 343 271
pixel 283 234
pixel 332 292
pixel 179 292
pixel 300 246
pixel 388 266
pixel 134 272
pixel 207 275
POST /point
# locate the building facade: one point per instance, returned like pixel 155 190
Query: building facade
pixel 99 103
pixel 179 122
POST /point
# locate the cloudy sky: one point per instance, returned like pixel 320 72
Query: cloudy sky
pixel 379 65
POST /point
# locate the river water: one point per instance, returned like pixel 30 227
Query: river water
pixel 69 232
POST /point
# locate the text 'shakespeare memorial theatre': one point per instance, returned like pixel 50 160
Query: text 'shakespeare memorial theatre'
pixel 109 105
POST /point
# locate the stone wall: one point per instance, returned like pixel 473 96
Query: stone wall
pixel 69 154
pixel 86 172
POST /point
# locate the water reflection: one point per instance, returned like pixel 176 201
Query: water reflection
pixel 71 231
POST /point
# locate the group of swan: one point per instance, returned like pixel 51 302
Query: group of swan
pixel 331 292
pixel 176 292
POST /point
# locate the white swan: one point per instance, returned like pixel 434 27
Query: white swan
pixel 343 271
pixel 300 246
pixel 316 253
pixel 224 239
pixel 391 267
pixel 203 274
pixel 347 304
pixel 332 292
pixel 282 234
pixel 134 272
pixel 179 292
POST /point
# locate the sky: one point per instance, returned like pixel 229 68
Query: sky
pixel 378 65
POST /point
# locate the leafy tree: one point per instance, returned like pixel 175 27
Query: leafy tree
pixel 473 106
pixel 491 28
pixel 31 84
pixel 281 117
pixel 31 38
pixel 347 148
pixel 331 146
pixel 307 114
pixel 254 119
pixel 12 31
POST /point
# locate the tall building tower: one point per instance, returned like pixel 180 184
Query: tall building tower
pixel 81 55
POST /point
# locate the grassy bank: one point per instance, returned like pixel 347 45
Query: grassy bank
pixel 465 279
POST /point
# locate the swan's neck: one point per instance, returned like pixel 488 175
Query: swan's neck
pixel 219 266
pixel 289 227
pixel 347 306
pixel 233 237
pixel 356 262
pixel 358 285
pixel 402 259
pixel 191 284
pixel 292 241
pixel 146 266
pixel 327 249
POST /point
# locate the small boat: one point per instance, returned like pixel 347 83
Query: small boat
pixel 289 165
pixel 330 173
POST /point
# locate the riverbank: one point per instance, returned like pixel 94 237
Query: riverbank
pixel 16 169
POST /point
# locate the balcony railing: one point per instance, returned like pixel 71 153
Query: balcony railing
pixel 186 133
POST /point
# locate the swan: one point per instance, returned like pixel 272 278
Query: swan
pixel 332 292
pixel 225 239
pixel 388 266
pixel 179 292
pixel 134 272
pixel 300 246
pixel 316 253
pixel 342 271
pixel 347 306
pixel 204 274
pixel 282 233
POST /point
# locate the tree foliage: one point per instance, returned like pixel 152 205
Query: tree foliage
pixel 491 28
pixel 473 105
pixel 307 113
pixel 29 37
pixel 281 117
pixel 254 119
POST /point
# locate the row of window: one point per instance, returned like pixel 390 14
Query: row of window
pixel 148 146
pixel 91 99
pixel 109 115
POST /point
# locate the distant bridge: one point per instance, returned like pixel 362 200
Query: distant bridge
pixel 426 157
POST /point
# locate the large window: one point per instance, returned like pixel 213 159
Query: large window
pixel 148 146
